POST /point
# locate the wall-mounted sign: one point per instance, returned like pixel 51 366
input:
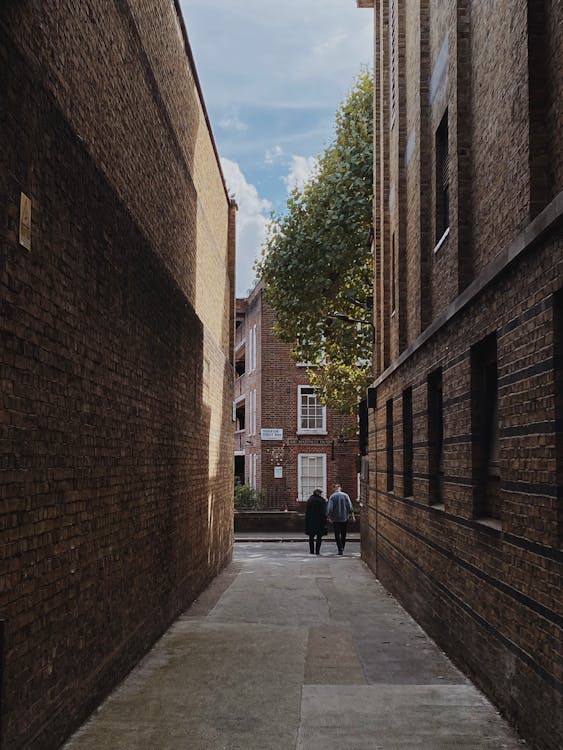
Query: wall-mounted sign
pixel 271 433
pixel 278 472
pixel 25 221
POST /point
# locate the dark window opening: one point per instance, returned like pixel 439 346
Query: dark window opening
pixel 241 416
pixel 558 366
pixel 240 365
pixel 2 641
pixel 389 447
pixel 407 442
pixel 485 428
pixel 239 469
pixel 393 274
pixel 442 178
pixel 364 426
pixel 435 437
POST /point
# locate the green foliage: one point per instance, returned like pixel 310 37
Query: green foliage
pixel 317 259
pixel 247 498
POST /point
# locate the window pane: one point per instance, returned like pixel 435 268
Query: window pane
pixel 311 410
pixel 312 475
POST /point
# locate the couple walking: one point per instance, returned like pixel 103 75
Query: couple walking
pixel 338 510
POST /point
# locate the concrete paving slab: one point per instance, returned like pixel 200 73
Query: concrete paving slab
pixel 332 657
pixel 288 651
pixel 208 682
pixel 405 717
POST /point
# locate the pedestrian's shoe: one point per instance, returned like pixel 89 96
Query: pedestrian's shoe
pixel 340 552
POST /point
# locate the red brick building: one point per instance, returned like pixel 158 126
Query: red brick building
pixel 465 501
pixel 116 339
pixel 286 442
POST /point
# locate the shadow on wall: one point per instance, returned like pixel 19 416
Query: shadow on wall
pixel 105 481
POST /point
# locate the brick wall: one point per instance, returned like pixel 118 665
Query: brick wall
pixel 116 469
pixel 276 380
pixel 489 593
pixel 485 582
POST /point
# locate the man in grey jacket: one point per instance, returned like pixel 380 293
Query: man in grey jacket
pixel 339 510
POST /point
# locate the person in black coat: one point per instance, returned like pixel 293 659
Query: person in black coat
pixel 315 521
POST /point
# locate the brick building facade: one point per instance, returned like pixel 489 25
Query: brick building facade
pixel 465 503
pixel 286 442
pixel 117 331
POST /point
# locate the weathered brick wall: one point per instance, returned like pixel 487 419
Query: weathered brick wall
pixel 116 472
pixel 488 590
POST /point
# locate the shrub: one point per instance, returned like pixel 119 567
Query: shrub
pixel 247 498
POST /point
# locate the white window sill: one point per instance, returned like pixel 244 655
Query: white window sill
pixel 442 239
pixel 312 432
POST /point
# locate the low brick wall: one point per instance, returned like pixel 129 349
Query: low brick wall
pixel 281 521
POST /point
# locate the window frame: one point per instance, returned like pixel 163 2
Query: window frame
pixel 309 430
pixel 322 486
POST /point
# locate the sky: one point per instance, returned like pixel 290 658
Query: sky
pixel 273 73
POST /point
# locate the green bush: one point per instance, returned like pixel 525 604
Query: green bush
pixel 247 498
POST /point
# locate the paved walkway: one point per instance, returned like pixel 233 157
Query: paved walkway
pixel 288 651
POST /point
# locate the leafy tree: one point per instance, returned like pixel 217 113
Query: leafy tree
pixel 317 259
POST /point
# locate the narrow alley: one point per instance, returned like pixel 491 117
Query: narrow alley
pixel 285 650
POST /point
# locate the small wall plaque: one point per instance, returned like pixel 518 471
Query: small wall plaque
pixel 278 472
pixel 25 221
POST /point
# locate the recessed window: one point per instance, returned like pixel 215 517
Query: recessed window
pixel 240 362
pixel 407 442
pixel 240 415
pixel 363 423
pixel 485 428
pixel 252 349
pixel 393 274
pixel 442 179
pixel 558 359
pixel 435 437
pixel 311 412
pixel 389 448
pixel 252 415
pixel 311 470
pixel 392 62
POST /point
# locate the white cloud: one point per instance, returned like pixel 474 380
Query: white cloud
pixel 252 221
pixel 273 154
pixel 301 170
pixel 233 122
pixel 294 54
